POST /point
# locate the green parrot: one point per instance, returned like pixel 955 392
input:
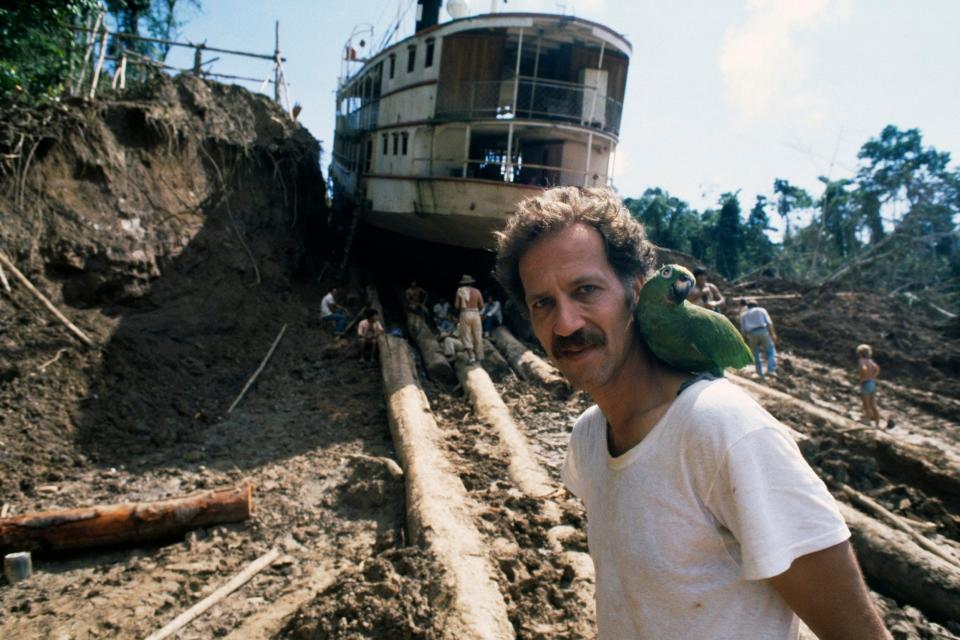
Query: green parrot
pixel 683 335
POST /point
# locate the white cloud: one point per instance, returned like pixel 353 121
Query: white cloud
pixel 763 65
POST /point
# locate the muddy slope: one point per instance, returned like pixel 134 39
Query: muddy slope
pixel 168 225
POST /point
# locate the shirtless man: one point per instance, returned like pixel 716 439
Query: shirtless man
pixel 469 302
pixel 703 293
pixel 416 298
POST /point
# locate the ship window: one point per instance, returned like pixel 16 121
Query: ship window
pixel 403 143
pixel 396 139
pixel 393 64
pixel 411 58
pixel 386 144
pixel 428 57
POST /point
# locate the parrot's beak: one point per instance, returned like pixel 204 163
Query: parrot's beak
pixel 680 290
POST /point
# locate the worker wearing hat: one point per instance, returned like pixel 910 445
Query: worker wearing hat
pixel 469 302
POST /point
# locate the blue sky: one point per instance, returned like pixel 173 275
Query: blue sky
pixel 721 94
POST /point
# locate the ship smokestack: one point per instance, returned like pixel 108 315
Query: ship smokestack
pixel 428 14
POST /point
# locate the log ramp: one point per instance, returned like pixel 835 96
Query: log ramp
pixel 525 471
pixel 433 359
pixel 522 466
pixel 439 511
pixel 897 566
pixel 527 364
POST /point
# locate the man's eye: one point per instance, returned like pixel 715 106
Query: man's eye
pixel 586 288
pixel 539 304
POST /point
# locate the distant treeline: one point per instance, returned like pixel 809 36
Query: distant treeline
pixel 893 227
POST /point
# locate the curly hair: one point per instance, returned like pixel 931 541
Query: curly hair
pixel 627 249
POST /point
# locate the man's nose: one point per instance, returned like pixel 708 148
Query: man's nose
pixel 568 320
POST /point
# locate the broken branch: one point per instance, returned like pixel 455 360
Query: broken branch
pixel 866 502
pixel 3 279
pixel 49 362
pixel 235 583
pixel 5 261
pixel 256 373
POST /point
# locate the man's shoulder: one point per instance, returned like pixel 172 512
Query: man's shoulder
pixel 718 413
pixel 588 423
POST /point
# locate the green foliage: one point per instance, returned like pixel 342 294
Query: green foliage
pixel 894 227
pixel 758 248
pixel 37 46
pixel 40 50
pixel 160 19
pixel 727 236
pixel 669 221
pixel 789 199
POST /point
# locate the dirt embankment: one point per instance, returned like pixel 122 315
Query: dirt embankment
pixel 209 186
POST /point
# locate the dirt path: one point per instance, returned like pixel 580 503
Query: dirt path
pixel 307 436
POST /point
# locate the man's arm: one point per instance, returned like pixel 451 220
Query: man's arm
pixel 717 298
pixel 826 590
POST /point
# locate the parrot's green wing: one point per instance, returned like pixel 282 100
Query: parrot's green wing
pixel 716 337
pixel 694 339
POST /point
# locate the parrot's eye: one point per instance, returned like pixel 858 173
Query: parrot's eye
pixel 666 272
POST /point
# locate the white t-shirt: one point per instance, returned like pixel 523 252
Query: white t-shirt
pixel 325 304
pixel 684 527
pixel 755 318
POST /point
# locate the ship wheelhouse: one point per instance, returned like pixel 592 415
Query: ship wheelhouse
pixel 440 135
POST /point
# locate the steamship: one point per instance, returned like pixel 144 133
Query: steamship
pixel 440 135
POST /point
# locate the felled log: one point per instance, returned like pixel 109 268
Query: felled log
pixel 883 514
pixel 494 363
pixel 527 364
pixel 433 359
pixel 124 523
pixel 523 468
pixel 896 566
pixel 440 514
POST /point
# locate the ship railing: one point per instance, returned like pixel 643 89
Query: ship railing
pixel 535 99
pixel 363 119
pixel 517 172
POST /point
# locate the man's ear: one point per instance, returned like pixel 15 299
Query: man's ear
pixel 637 285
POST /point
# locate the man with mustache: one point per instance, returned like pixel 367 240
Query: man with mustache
pixel 704 519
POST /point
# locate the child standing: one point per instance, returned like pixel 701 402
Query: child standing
pixel 868 371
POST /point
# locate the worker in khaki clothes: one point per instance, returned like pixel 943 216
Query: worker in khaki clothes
pixel 469 302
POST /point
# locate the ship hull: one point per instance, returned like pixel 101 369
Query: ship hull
pixel 463 213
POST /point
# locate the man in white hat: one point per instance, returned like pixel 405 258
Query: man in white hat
pixel 469 302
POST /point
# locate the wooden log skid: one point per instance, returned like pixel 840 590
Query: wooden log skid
pixel 494 363
pixel 524 469
pixel 895 565
pixel 438 512
pixel 527 364
pixel 436 364
pixel 124 523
